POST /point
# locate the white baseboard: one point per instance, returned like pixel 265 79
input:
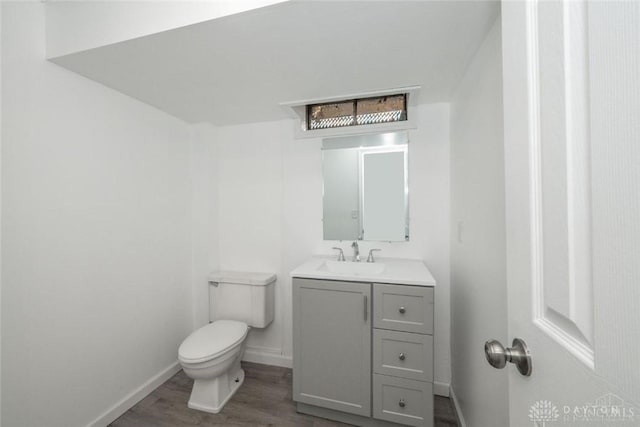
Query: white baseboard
pixel 135 396
pixel 441 389
pixel 456 405
pixel 267 356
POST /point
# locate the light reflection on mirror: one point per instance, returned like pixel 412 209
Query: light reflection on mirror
pixel 365 187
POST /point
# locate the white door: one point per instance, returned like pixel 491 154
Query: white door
pixel 572 162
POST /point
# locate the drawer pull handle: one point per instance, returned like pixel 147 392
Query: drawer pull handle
pixel 402 310
pixel 401 356
pixel 401 403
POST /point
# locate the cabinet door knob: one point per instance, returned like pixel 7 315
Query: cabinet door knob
pixel 402 310
pixel 401 403
pixel 401 356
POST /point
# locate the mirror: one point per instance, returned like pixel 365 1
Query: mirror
pixel 365 187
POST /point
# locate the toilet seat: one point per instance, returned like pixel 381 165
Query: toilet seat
pixel 212 340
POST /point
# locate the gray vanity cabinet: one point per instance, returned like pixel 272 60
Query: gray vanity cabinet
pixel 363 352
pixel 332 345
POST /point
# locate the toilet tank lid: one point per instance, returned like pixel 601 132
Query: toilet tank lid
pixel 242 277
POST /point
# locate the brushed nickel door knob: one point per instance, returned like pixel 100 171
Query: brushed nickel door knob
pixel 518 354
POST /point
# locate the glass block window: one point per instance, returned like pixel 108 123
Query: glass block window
pixel 334 115
pixel 381 110
pixel 354 112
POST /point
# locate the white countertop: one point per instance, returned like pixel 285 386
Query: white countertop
pixel 397 271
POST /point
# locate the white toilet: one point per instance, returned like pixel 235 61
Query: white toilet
pixel 211 355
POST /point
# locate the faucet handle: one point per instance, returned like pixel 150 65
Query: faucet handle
pixel 370 257
pixel 340 255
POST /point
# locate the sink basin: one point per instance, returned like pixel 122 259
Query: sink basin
pixel 354 268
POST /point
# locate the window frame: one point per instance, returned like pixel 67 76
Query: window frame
pixel 297 110
pixel 404 114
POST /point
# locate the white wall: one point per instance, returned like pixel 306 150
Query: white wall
pixel 95 237
pixel 478 271
pixel 270 211
pixel 204 225
pixel 250 214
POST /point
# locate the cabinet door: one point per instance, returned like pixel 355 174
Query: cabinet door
pixel 332 345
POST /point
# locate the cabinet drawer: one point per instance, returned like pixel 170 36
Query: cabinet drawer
pixel 403 354
pixel 403 308
pixel 402 401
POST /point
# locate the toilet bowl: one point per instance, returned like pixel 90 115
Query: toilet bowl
pixel 211 355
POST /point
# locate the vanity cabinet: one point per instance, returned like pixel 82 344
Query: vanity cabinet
pixel 363 352
pixel 332 345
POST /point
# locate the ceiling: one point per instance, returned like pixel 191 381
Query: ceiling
pixel 240 68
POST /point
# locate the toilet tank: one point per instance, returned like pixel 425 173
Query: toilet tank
pixel 244 296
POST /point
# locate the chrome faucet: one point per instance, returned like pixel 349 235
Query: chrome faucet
pixel 340 255
pixel 370 258
pixel 356 252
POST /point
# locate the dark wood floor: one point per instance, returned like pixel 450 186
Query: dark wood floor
pixel 263 400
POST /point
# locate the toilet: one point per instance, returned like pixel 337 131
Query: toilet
pixel 238 301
